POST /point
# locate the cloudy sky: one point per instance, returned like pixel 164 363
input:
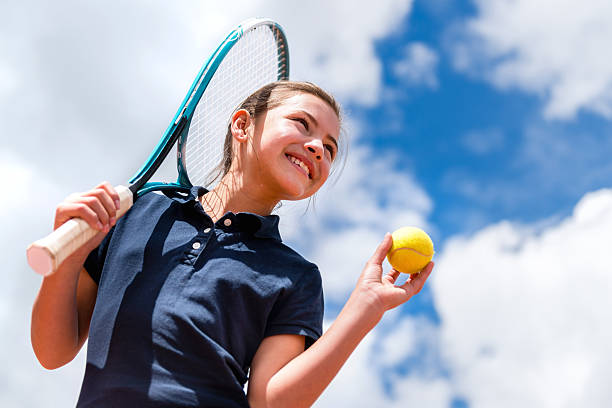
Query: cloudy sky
pixel 486 122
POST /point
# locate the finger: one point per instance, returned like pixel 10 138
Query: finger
pixel 97 205
pixel 68 210
pixel 381 251
pixel 392 276
pixel 112 193
pixel 427 269
pixel 417 280
pixel 108 204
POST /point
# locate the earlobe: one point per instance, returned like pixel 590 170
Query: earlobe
pixel 241 120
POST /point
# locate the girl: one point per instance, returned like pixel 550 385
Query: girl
pixel 187 295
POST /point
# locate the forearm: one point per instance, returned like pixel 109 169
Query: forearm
pixel 55 321
pixel 64 304
pixel 303 379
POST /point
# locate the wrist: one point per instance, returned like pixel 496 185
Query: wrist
pixel 68 270
pixel 365 309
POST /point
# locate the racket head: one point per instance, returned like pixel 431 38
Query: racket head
pixel 254 55
pixel 251 56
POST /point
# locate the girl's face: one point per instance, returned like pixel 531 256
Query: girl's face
pixel 293 147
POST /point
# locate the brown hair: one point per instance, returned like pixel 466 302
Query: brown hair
pixel 269 97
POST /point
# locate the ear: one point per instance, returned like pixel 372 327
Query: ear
pixel 241 120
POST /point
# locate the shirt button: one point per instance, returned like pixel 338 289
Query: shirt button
pixel 227 222
pixel 196 245
pixel 207 230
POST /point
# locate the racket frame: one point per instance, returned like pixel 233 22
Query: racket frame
pixel 179 126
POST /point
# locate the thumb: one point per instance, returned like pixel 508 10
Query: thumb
pixel 381 251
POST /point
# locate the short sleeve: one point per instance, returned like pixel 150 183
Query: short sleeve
pixel 299 309
pixel 95 260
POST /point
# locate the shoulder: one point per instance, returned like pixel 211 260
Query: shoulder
pixel 157 199
pixel 281 255
pixel 153 204
pixel 293 273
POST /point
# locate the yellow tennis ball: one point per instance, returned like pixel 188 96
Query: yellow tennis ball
pixel 412 249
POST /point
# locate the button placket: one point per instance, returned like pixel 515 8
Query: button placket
pixel 198 245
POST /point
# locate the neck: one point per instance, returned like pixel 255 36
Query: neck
pixel 232 195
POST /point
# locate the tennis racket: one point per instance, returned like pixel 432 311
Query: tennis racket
pixel 252 55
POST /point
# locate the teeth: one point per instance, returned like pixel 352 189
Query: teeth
pixel 300 163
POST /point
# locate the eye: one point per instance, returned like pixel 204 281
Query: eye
pixel 332 151
pixel 303 121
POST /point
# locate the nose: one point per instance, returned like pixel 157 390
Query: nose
pixel 315 147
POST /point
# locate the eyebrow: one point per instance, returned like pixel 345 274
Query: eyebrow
pixel 313 120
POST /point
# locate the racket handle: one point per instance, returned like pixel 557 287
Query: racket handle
pixel 46 254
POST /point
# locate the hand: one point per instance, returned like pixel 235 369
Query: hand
pixel 380 292
pixel 98 207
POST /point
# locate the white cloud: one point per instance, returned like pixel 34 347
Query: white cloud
pixel 523 309
pixel 23 220
pixel 418 65
pixel 555 49
pixel 8 80
pixel 355 375
pixel 526 311
pixel 332 43
pixel 359 384
pixel 399 343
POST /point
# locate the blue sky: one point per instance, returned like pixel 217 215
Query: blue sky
pixel 486 122
pixel 469 144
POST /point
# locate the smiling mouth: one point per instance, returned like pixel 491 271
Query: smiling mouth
pixel 300 164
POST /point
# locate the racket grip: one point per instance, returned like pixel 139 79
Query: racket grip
pixel 46 254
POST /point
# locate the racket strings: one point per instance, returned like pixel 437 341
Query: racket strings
pixel 255 60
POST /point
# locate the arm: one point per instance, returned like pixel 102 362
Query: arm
pixel 64 304
pixel 281 375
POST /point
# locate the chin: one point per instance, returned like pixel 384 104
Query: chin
pixel 296 193
pixel 296 196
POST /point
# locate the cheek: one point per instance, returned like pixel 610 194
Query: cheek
pixel 325 170
pixel 275 141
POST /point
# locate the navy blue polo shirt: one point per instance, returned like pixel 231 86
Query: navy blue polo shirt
pixel 183 304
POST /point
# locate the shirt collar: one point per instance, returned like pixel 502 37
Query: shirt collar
pixel 262 226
